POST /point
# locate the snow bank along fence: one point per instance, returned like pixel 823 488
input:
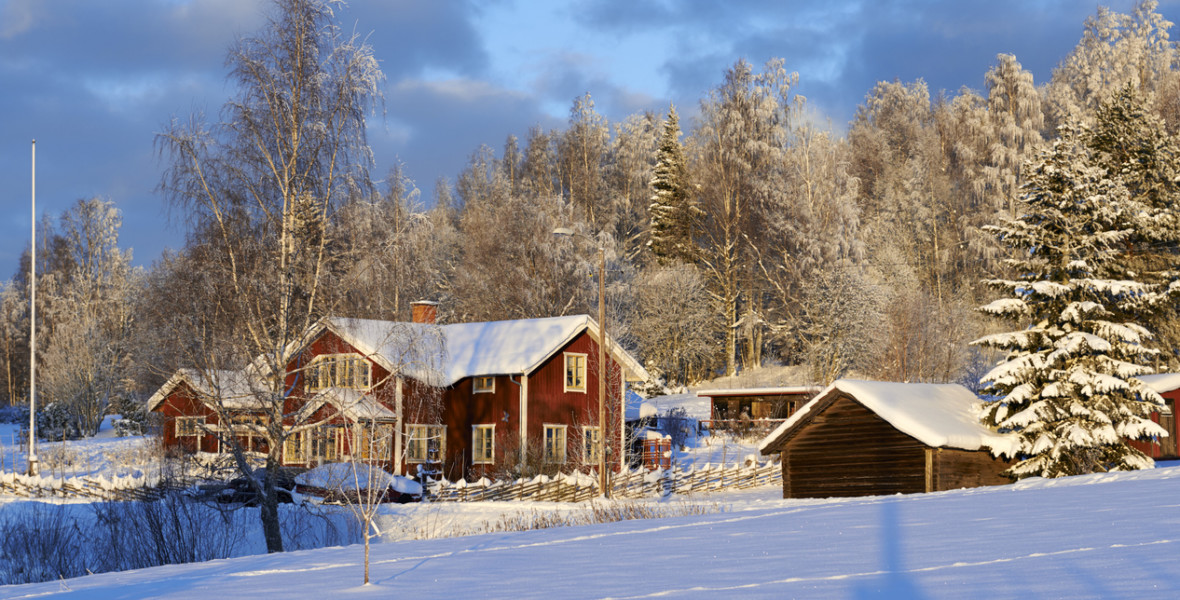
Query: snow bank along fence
pixel 129 487
pixel 638 483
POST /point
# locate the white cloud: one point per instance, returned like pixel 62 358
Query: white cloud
pixel 16 17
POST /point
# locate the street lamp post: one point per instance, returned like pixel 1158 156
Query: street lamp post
pixel 601 441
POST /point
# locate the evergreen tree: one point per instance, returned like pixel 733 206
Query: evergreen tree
pixel 1131 142
pixel 673 211
pixel 1067 387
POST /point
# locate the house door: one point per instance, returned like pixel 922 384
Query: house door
pixel 1168 422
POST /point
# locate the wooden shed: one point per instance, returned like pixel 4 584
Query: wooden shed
pixel 864 438
pixel 736 409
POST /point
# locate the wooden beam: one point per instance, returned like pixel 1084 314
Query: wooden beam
pixel 929 469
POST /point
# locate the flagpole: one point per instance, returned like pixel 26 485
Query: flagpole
pixel 33 327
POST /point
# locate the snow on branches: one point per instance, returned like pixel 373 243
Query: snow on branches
pixel 1067 386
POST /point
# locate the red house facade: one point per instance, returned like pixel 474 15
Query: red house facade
pixel 462 400
pixel 1168 386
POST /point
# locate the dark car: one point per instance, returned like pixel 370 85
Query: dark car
pixel 239 490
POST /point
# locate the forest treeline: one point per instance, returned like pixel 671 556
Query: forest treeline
pixel 751 235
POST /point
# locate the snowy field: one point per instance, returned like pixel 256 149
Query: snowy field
pixel 1099 536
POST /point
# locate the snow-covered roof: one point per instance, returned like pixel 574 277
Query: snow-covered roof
pixel 234 388
pixel 444 354
pixel 351 476
pixel 637 407
pixel 938 415
pixel 696 407
pixel 761 391
pixel 353 404
pixel 1161 382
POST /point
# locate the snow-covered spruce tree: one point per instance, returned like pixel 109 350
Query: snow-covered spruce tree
pixel 673 211
pixel 1067 386
pixel 1132 142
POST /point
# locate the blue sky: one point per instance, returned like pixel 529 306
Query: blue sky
pixel 94 82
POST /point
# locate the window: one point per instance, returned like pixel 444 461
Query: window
pixel 555 443
pixel 427 443
pixel 189 426
pixel 575 372
pixel 338 370
pixel 323 443
pixel 248 429
pixel 590 445
pixel 375 442
pixel 483 444
pixel 293 450
pixel 484 385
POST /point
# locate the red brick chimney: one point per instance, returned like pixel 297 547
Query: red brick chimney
pixel 425 311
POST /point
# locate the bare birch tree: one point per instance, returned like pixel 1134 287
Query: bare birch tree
pixel 263 186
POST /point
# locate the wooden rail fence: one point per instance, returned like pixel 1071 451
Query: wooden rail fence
pixel 575 487
pixel 120 488
pixel 638 483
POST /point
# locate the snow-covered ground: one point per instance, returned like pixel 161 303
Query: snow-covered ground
pixel 101 455
pixel 1099 536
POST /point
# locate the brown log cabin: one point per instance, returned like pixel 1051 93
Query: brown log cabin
pixel 463 400
pixel 861 438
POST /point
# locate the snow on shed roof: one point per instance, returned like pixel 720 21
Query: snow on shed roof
pixel 938 415
pixel 1161 382
pixel 471 349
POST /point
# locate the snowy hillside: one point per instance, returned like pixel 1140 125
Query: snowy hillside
pixel 1098 536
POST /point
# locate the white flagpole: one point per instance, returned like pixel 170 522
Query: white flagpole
pixel 33 328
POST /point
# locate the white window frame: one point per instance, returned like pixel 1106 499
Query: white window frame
pixel 295 447
pixel 190 426
pixel 477 388
pixel 345 370
pixel 381 449
pixel 420 433
pixel 326 438
pixel 248 426
pixel 483 437
pixel 577 386
pixel 554 453
pixel 590 444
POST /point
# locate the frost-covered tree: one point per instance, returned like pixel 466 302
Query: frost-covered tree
pixel 510 266
pixel 261 188
pixel 674 211
pixel 842 323
pixel 1066 386
pixel 737 158
pixel 580 153
pixel 674 325
pixel 629 173
pixel 86 355
pixel 1014 121
pixel 1132 143
pixel 1116 49
pixel 396 251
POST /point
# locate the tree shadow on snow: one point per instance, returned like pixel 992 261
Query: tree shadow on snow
pixel 893 582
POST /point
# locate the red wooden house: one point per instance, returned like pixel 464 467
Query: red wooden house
pixel 468 399
pixel 1168 386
